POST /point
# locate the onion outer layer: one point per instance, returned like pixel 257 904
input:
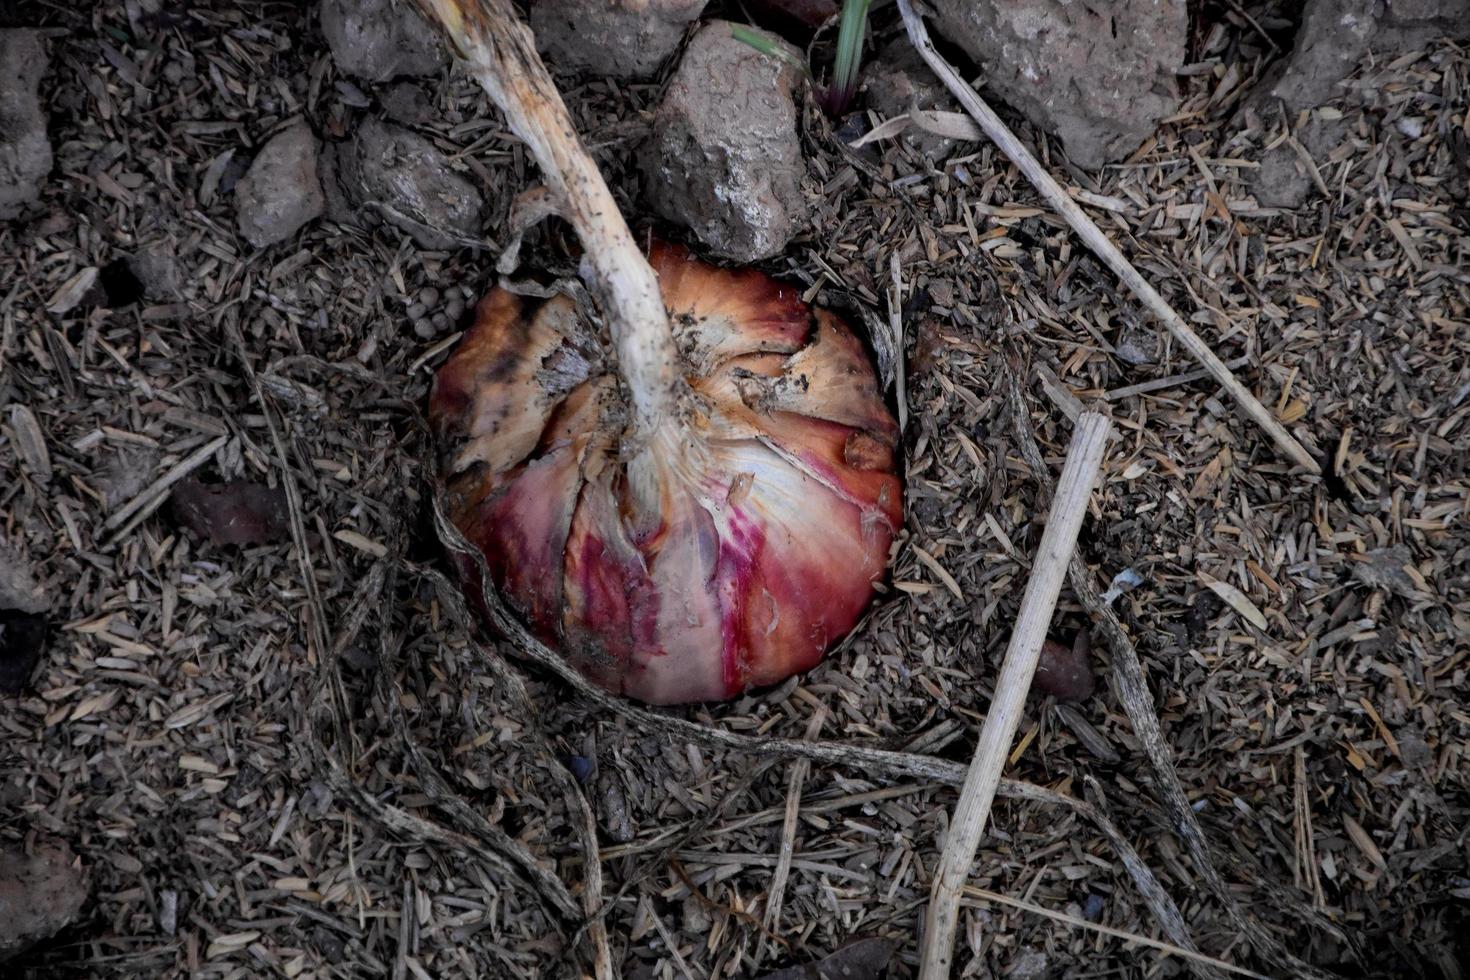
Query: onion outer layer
pixel 775 498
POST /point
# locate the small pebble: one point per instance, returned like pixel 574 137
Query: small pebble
pixel 281 191
pixel 399 175
pixel 440 321
pixel 359 660
pixel 696 918
pixel 417 311
pixel 423 329
pixel 454 308
pixel 428 296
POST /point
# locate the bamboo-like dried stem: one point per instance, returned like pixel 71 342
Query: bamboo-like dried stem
pixel 1074 489
pixel 1101 245
pixel 498 50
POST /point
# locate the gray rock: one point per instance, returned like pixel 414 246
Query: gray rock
pixel 1336 35
pixel 158 270
pixel 724 159
pixel 18 586
pixel 624 40
pixel 1330 45
pixel 408 104
pixel 1028 964
pixel 41 892
pixel 377 40
pixel 397 175
pixel 898 80
pixel 1099 76
pixel 1137 343
pixel 1282 180
pixel 281 191
pixel 25 152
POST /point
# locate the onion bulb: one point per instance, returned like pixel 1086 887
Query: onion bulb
pixel 725 546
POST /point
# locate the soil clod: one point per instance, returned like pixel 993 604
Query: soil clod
pixel 42 889
pixel 25 149
pixel 631 40
pixel 280 192
pixel 724 159
pixel 378 40
pixel 1099 76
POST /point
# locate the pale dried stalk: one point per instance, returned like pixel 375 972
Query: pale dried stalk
pixel 1100 244
pixel 1049 570
pixel 1132 689
pixel 1211 964
pixel 498 50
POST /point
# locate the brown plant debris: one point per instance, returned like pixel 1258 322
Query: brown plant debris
pixel 240 512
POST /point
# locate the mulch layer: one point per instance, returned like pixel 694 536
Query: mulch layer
pixel 284 751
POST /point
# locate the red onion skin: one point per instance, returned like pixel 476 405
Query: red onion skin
pixel 777 499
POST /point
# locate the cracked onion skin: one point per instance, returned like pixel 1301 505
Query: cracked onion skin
pixel 774 494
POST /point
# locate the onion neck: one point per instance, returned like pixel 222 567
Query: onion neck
pixel 498 50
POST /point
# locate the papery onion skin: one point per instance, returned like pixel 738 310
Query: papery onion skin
pixel 776 492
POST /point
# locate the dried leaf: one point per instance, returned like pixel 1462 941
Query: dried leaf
pixel 361 542
pixel 70 293
pixel 1363 842
pixel 1092 740
pixel 940 572
pixel 239 512
pixel 1235 599
pixel 1066 672
pixel 230 943
pixel 887 129
pixel 950 125
pixel 209 185
pixel 94 704
pixel 31 441
pixel 929 348
pixel 197 711
pixel 865 959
